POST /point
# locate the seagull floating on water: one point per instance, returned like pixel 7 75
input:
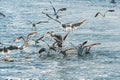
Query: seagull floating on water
pixel 82 49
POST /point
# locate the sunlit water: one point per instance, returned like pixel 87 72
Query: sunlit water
pixel 102 64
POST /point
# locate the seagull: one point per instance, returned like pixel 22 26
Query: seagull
pixel 57 11
pixel 80 48
pixel 32 34
pixel 103 15
pixel 25 39
pixel 34 24
pixel 76 25
pixel 19 39
pixel 58 38
pixel 83 48
pixel 6 52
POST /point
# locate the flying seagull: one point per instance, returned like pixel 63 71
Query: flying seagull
pixel 57 11
pixel 103 15
pixel 66 26
pixel 34 24
pixel 113 1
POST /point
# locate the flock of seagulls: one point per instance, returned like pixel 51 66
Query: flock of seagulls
pixel 58 40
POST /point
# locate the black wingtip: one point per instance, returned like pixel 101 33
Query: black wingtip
pixel 2 14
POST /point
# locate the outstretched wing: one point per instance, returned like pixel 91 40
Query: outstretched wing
pixel 84 43
pixel 31 35
pixel 90 46
pixel 110 11
pixel 98 13
pixel 61 9
pixel 41 50
pixel 64 38
pixel 69 49
pixel 95 44
pixel 19 39
pixel 53 8
pixel 51 17
pixel 78 24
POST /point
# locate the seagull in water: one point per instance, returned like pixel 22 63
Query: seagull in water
pixel 103 15
pixel 57 11
pixel 6 51
pixel 82 49
pixel 6 54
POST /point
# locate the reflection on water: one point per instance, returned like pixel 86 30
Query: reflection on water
pixel 104 61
